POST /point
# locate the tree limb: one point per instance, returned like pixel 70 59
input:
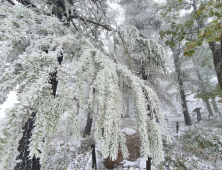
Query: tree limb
pixel 107 27
pixel 11 2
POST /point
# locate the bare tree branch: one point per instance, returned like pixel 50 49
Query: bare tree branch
pixel 107 27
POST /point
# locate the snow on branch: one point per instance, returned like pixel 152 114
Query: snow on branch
pixel 30 47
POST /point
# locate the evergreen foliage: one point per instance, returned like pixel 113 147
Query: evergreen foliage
pixel 33 40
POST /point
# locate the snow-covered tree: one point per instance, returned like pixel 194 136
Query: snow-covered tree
pixel 40 53
pixel 191 27
pixel 203 66
pixel 145 17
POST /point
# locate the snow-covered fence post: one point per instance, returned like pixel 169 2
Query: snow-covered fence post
pixel 148 164
pixel 93 157
pixel 177 127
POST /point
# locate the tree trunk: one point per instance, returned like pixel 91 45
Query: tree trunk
pixel 216 110
pixel 88 125
pixel 209 107
pixel 180 82
pixel 127 106
pixel 213 101
pixel 203 90
pixel 145 77
pixel 27 164
pixel 184 105
pixel 217 59
pixel 216 51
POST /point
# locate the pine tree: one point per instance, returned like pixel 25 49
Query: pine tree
pixel 145 17
pixel 44 52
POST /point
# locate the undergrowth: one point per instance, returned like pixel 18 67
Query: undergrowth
pixel 74 156
pixel 198 148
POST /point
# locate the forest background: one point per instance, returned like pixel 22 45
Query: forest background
pixel 71 60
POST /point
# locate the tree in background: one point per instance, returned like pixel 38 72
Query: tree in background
pixel 186 27
pixel 141 14
pixel 202 85
pixel 41 53
pixel 208 31
pixel 177 51
pixel 204 20
pixel 203 66
pixel 145 17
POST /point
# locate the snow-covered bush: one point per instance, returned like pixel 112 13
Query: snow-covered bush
pixel 198 148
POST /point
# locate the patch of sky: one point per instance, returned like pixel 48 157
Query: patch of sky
pixel 12 98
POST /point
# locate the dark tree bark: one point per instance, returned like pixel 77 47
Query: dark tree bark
pixel 127 106
pixel 145 77
pixel 184 105
pixel 27 164
pixel 88 126
pixel 217 59
pixel 27 3
pixel 180 82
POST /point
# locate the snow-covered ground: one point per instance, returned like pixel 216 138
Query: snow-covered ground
pixel 195 147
